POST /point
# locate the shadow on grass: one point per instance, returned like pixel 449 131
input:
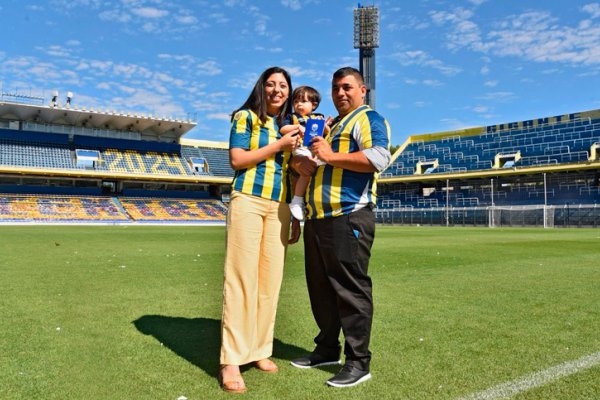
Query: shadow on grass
pixel 198 340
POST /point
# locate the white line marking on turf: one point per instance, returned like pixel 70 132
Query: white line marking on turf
pixel 540 378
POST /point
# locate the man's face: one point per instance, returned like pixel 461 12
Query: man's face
pixel 347 94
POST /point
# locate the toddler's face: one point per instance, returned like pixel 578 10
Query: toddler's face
pixel 303 106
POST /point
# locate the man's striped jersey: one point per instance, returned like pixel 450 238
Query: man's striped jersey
pixel 335 191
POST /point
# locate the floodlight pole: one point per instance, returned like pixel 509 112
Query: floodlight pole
pixel 366 39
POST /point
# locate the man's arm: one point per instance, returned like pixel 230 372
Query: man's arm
pixel 356 162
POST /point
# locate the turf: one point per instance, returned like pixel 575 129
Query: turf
pixel 133 312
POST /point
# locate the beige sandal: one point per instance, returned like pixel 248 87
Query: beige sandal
pixel 234 384
pixel 267 365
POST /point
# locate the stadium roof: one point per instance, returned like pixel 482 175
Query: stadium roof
pixel 163 129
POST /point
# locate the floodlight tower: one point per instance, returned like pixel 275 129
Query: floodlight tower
pixel 366 39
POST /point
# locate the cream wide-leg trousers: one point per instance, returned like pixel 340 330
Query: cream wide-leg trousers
pixel 257 237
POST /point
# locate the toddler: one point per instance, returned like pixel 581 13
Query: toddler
pixel 305 100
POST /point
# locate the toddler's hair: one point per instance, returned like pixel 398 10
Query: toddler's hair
pixel 311 94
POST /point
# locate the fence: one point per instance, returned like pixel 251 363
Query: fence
pixel 493 216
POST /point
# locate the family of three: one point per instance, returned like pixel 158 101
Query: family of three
pixel 336 195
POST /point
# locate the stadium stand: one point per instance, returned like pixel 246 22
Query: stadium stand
pixel 64 208
pixel 173 210
pixel 549 164
pixel 57 151
pixel 544 141
pixel 72 164
pixel 54 208
pixel 69 164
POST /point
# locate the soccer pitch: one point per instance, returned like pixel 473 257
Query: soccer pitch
pixel 132 312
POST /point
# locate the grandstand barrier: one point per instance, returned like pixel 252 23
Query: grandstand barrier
pixel 581 215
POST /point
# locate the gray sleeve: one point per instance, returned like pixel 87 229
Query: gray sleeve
pixel 378 156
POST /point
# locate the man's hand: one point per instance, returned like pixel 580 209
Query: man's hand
pixel 303 165
pixel 295 233
pixel 321 149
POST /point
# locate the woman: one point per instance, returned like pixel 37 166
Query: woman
pixel 258 224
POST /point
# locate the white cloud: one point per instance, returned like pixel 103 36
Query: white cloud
pixel 497 96
pixel 150 27
pixel 480 109
pixel 210 68
pixel 148 100
pixel 593 9
pixel 490 83
pixel 219 18
pixel 219 116
pixel 316 74
pixel 186 19
pixel 180 58
pixel 149 12
pixel 421 58
pixel 246 82
pixel 484 70
pixel 55 51
pixel 293 4
pixel 115 16
pixel 534 35
pixel 432 82
pixel 269 49
pixel 454 123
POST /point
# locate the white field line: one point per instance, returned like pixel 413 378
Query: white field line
pixel 540 378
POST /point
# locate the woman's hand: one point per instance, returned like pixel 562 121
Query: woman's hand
pixel 290 141
pixel 295 233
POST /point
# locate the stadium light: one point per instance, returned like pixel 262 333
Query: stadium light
pixel 366 39
pixel 366 27
pixel 54 98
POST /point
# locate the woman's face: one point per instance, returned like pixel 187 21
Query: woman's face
pixel 276 92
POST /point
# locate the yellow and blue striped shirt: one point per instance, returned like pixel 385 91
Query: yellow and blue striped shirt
pixel 336 191
pixel 268 179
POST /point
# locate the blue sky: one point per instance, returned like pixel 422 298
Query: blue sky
pixel 441 65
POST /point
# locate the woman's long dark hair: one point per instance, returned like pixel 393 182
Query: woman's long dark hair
pixel 257 102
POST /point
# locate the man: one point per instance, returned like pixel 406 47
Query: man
pixel 340 229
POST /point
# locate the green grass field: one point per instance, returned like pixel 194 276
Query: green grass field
pixel 132 312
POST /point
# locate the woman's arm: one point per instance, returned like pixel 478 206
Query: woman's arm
pixel 240 158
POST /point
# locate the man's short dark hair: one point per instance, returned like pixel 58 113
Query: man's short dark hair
pixel 345 71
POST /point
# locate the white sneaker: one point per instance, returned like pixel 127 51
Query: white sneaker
pixel 297 208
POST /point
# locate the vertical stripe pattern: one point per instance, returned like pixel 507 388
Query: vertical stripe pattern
pixel 269 178
pixel 335 191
